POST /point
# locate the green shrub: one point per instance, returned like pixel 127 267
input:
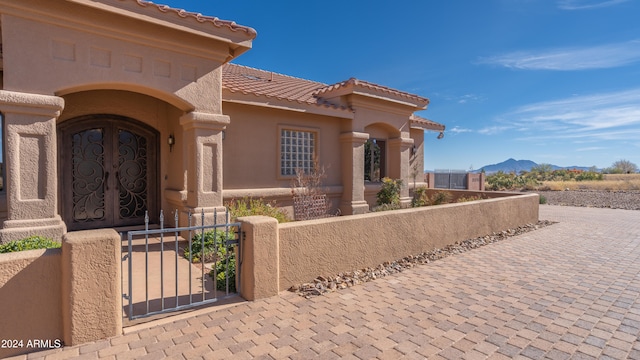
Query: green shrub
pixel 385 207
pixel 527 180
pixel 216 250
pixel 250 207
pixel 589 175
pixel 390 192
pixel 543 200
pixel 441 197
pixel 30 243
pixel 420 197
pixel 212 239
pixel 500 181
pixel 469 198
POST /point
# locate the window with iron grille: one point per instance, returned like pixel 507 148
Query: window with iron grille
pixel 297 151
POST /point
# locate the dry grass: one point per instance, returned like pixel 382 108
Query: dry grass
pixel 610 182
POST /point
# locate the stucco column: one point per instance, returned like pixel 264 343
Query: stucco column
pixel 202 156
pixel 260 272
pixel 352 154
pixel 91 293
pixel 399 154
pixel 31 181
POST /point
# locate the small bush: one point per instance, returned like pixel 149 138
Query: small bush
pixel 212 239
pixel 250 207
pixel 386 207
pixel 441 197
pixel 500 181
pixel 543 200
pixel 216 250
pixel 420 197
pixel 390 192
pixel 589 175
pixel 30 243
pixel 469 198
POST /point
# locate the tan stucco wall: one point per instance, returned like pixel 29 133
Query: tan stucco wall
pixel 91 286
pixel 251 145
pixel 70 295
pixel 68 54
pixel 30 297
pixel 329 246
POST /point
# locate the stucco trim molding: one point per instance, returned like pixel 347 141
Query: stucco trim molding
pixel 402 143
pixel 32 104
pixel 200 120
pixel 354 137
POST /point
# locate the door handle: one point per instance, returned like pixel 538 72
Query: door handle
pixel 106 180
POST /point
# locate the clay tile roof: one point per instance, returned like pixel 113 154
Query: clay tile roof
pixel 246 80
pixel 250 32
pixel 365 84
pixel 426 123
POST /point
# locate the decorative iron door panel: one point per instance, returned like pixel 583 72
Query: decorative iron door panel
pixel 109 172
pixel 132 176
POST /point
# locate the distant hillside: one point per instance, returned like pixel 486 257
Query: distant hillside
pixel 512 165
pixel 509 166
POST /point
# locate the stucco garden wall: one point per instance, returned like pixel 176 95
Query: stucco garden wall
pixel 62 296
pixel 30 297
pixel 308 249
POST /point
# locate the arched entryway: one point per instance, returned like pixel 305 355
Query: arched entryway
pixel 108 172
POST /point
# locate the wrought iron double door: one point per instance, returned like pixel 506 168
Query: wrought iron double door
pixel 109 172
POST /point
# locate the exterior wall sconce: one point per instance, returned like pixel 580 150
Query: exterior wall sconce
pixel 441 135
pixel 414 149
pixel 171 141
pixel 224 134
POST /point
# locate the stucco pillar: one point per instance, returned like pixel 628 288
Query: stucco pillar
pixel 398 165
pixel 352 154
pixel 31 180
pixel 260 272
pixel 202 155
pixel 91 296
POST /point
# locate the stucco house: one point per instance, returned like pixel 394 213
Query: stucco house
pixel 111 108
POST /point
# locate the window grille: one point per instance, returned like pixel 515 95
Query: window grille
pixel 297 150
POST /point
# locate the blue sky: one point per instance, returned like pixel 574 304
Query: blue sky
pixel 553 81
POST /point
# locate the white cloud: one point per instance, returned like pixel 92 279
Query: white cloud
pixel 587 4
pixel 593 148
pixel 493 130
pixel 470 98
pixel 570 58
pixel 459 130
pixel 591 118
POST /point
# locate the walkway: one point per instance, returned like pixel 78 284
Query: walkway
pixel 567 290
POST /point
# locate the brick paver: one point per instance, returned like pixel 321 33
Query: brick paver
pixel 565 291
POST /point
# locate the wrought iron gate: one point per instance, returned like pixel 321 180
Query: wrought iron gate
pixel 176 268
pixel 450 179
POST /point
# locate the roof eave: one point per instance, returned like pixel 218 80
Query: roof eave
pixel 238 37
pixel 252 99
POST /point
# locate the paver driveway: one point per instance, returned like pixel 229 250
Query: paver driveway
pixel 565 291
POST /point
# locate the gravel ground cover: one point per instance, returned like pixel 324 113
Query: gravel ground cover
pixel 618 199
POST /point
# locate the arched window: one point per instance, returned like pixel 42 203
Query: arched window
pixel 374 160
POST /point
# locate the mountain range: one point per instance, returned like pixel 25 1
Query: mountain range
pixel 512 165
